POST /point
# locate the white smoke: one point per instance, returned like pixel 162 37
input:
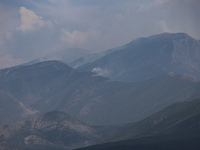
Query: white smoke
pixel 101 72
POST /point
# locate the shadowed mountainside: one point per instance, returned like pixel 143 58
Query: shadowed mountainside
pixel 52 85
pixel 175 127
pixel 145 58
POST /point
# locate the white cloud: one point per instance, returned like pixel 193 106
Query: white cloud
pixel 9 35
pixel 163 25
pixel 150 5
pixel 3 38
pixel 89 25
pixel 188 1
pixel 30 21
pixel 77 37
pixel 161 2
pixel 7 61
pixel 1 42
pixel 8 24
pixel 74 37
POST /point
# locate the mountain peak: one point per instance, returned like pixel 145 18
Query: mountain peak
pixel 54 63
pixel 148 57
pixel 171 35
pixel 161 37
pixel 175 35
pixel 51 67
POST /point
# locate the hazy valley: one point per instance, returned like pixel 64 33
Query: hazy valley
pixel 142 94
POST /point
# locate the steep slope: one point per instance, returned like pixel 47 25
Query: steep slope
pixel 53 130
pixel 52 85
pixel 70 54
pixel 93 57
pixel 149 57
pixel 149 143
pixel 95 100
pixel 27 83
pixel 180 119
pixel 12 109
pixel 22 86
pixel 141 100
pixel 175 127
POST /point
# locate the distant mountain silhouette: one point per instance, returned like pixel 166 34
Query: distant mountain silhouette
pixel 29 90
pixel 145 58
pixel 126 86
pixel 67 55
pixel 93 57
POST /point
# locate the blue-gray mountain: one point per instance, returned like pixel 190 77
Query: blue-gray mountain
pixel 145 58
pixel 180 119
pixel 53 130
pixel 175 127
pixel 30 90
pixel 93 57
pixel 65 55
pixel 167 67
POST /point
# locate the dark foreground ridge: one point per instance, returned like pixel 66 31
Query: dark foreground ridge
pixel 176 127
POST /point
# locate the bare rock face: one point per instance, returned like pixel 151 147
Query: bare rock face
pixel 51 130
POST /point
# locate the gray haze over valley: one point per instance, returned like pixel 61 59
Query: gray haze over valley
pixel 96 75
pixel 33 29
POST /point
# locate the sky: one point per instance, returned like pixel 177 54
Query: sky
pixel 33 28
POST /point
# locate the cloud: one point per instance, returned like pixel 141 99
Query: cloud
pixel 1 43
pixel 7 61
pixel 8 24
pixel 188 1
pixel 77 37
pixel 30 21
pixel 74 37
pixel 9 35
pixel 161 2
pixel 150 5
pixel 90 24
pixel 3 38
pixel 163 25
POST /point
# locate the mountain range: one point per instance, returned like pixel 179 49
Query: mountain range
pixel 144 94
pixel 145 58
pixel 53 130
pixel 52 85
pixel 67 55
pixel 175 127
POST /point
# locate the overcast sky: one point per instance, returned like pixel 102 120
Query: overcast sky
pixel 35 28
